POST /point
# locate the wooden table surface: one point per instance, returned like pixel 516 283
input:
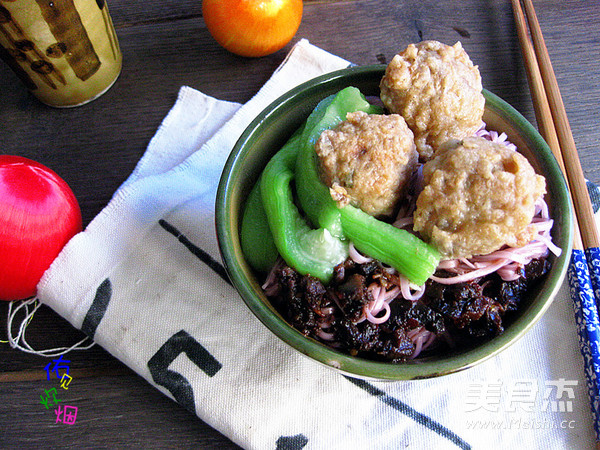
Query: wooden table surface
pixel 165 45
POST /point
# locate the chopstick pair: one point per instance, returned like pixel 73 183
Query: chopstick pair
pixel 584 270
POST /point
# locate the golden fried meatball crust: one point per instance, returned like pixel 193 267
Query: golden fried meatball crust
pixel 367 161
pixel 438 91
pixel 478 196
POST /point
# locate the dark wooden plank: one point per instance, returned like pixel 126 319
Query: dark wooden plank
pixel 571 34
pixel 47 330
pixel 152 11
pixel 113 412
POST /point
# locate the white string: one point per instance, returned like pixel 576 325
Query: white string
pixel 15 341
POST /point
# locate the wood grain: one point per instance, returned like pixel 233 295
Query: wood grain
pixel 539 98
pixel 570 156
pixel 166 45
pixel 113 412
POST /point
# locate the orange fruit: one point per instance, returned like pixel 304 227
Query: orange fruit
pixel 252 27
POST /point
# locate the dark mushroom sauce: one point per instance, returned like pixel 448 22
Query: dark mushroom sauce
pixel 446 317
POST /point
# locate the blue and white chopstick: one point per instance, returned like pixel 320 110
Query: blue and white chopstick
pixel 588 328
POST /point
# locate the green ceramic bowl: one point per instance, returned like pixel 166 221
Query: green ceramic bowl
pixel 266 134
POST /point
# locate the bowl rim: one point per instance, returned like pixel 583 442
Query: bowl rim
pixel 363 368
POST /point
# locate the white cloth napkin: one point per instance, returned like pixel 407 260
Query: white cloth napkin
pixel 144 280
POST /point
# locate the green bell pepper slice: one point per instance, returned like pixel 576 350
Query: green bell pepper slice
pixel 256 239
pixel 314 198
pixel 404 251
pixel 309 251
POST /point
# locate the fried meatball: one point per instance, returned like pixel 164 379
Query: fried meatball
pixel 478 196
pixel 367 161
pixel 437 89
